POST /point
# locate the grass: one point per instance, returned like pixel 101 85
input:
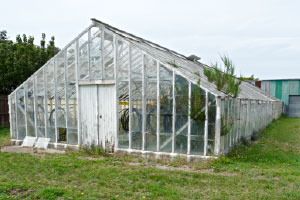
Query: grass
pixel 267 169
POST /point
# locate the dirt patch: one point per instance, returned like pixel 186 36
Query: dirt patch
pixel 18 191
pixel 90 158
pixel 29 150
pixel 185 168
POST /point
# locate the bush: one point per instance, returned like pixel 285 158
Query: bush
pixel 255 135
pixel 245 141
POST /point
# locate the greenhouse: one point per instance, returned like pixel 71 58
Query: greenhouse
pixel 116 90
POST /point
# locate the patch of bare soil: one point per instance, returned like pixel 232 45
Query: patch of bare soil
pixel 185 168
pixel 18 191
pixel 29 150
pixel 90 158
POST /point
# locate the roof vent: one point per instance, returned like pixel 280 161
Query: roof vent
pixel 193 58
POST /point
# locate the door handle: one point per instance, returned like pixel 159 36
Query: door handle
pixel 100 116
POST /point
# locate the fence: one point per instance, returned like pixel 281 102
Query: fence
pixel 4 116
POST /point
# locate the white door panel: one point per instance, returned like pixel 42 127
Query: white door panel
pixel 98 115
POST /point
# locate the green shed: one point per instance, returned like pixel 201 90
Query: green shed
pixel 287 90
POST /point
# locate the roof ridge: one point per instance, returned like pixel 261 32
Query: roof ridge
pixel 118 31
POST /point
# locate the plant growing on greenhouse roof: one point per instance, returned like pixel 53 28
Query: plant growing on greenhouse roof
pixel 224 79
pixel 173 63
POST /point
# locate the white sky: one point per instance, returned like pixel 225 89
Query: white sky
pixel 262 37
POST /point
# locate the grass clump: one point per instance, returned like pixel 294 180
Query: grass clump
pixel 94 150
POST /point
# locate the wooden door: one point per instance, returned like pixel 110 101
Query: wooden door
pixel 107 116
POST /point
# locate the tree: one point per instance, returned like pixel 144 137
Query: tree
pixel 3 35
pixel 20 59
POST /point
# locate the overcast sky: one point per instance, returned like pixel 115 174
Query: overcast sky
pixel 262 37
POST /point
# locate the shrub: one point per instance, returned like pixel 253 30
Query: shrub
pixel 94 150
pixel 224 79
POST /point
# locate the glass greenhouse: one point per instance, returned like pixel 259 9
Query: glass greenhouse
pixel 110 88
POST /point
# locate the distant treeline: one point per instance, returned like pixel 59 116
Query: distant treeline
pixel 20 59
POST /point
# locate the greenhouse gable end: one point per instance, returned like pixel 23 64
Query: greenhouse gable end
pixel 116 90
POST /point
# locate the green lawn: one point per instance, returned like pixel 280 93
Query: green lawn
pixel 268 169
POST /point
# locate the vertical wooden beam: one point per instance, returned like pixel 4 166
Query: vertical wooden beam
pixel 189 119
pixel 218 127
pixel 157 108
pixel 174 115
pixel 143 103
pixel 98 118
pixel 130 98
pixel 77 76
pixel 66 95
pixel 206 124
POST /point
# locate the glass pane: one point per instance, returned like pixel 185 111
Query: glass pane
pixel 136 92
pixel 60 96
pixel 40 97
pixel 151 104
pixel 123 93
pixel 50 101
pixel 83 56
pixel 108 56
pixel 13 116
pixel 96 54
pixel 71 63
pixel 211 123
pixel 21 114
pixel 197 115
pixel 166 108
pixel 30 108
pixel 181 120
pixel 71 96
pixel 72 113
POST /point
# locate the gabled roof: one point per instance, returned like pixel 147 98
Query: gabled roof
pixel 190 69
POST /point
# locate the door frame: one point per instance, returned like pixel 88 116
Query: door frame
pixel 98 83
